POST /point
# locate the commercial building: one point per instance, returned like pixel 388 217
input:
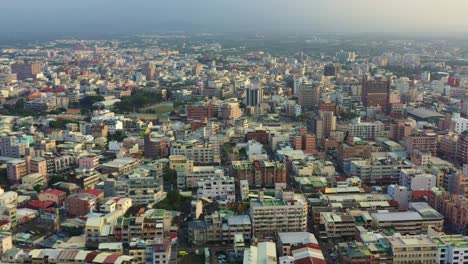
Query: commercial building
pixel 254 93
pixel 376 92
pixel 413 222
pixel 25 71
pixel 309 95
pixel 413 249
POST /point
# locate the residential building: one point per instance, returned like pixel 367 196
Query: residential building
pixel 221 188
pixel 287 213
pixel 80 204
pixel 200 153
pixel 366 130
pixel 426 141
pixel 417 180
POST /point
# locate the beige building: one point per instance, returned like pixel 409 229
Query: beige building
pixel 6 242
pixel 34 179
pixel 414 249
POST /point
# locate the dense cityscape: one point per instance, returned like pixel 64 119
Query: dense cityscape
pixel 215 148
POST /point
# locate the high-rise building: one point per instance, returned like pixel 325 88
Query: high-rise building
pixel 323 124
pixel 309 95
pixel 26 70
pixel 376 92
pixel 254 93
pixel 305 141
pixel 331 70
pixel 401 128
pixel 149 70
pixel 462 148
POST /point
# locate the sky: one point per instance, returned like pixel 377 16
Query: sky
pixel 38 17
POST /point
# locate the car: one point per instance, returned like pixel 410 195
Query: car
pixel 183 253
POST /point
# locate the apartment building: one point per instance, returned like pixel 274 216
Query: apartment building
pixel 200 153
pixel 16 169
pixel 380 171
pixel 366 130
pixel 222 188
pixel 287 213
pixel 417 180
pixel 140 185
pixel 191 178
pixel 424 141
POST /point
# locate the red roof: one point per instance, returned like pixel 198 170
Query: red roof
pixel 90 257
pixel 54 192
pixel 59 90
pixel 94 192
pixel 111 259
pixel 46 89
pixel 41 204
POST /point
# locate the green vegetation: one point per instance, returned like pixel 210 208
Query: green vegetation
pixel 160 109
pixel 170 176
pixel 55 179
pixel 173 202
pixel 17 109
pixel 117 136
pixel 88 101
pixel 59 123
pixel 3 176
pixel 137 100
pixel 347 116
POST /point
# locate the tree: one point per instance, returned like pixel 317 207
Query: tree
pixel 170 176
pixel 118 136
pixel 37 188
pixel 173 201
pixel 88 101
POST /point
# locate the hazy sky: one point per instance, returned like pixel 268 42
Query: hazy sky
pixel 19 17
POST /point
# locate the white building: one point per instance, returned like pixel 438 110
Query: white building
pixel 244 189
pixel 458 123
pixel 401 194
pixel 217 188
pixel 366 129
pixel 263 252
pixel 417 180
